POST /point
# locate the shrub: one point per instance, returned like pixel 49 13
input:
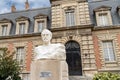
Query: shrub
pixel 106 76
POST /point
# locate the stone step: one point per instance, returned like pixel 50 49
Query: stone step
pixel 78 78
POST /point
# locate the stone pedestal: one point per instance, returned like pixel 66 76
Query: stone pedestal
pixel 49 70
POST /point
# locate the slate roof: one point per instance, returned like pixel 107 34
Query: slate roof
pixel 30 14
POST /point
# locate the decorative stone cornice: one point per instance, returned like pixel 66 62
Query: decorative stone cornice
pixel 39 16
pixel 73 27
pixel 68 0
pixel 4 20
pixel 102 8
pixel 96 28
pixel 22 18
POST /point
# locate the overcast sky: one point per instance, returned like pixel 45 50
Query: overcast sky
pixel 5 5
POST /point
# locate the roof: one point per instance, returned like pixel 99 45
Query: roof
pixel 28 14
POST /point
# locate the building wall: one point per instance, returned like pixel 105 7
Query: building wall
pixel 106 35
pixel 58 12
pixel 88 36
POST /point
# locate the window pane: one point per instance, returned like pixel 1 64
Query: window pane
pixel 103 18
pixel 26 76
pixel 108 49
pixel 40 26
pixel 70 18
pixel 20 55
pixel 22 28
pixel 4 30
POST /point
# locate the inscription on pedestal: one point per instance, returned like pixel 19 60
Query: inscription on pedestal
pixel 45 74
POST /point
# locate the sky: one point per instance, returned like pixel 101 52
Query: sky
pixel 5 5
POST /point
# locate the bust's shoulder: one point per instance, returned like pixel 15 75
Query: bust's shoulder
pixel 38 47
pixel 58 45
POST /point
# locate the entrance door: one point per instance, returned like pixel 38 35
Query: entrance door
pixel 73 58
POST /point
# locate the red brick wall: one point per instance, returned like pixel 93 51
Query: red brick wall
pixel 97 52
pixel 29 55
pixel 11 47
pixel 118 38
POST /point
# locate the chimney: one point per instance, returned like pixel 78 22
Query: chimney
pixel 26 5
pixel 13 9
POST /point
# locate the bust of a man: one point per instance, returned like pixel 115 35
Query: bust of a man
pixel 48 50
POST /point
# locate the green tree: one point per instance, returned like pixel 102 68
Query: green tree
pixel 106 76
pixel 9 68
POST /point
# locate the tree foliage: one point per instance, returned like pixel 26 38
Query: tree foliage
pixel 9 68
pixel 106 76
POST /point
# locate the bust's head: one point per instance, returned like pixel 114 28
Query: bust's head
pixel 46 35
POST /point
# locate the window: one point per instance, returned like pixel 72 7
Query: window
pixel 108 50
pixel 20 55
pixel 103 15
pixel 40 26
pixel 4 30
pixel 25 76
pixel 5 27
pixel 103 19
pixel 40 22
pixel 70 18
pixel 22 28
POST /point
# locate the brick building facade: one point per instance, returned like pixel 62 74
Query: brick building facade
pixel 89 29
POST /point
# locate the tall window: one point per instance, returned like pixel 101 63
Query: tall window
pixel 25 76
pixel 108 49
pixel 4 30
pixel 70 18
pixel 20 55
pixel 40 26
pixel 21 28
pixel 103 19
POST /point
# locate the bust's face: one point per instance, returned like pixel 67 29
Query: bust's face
pixel 46 36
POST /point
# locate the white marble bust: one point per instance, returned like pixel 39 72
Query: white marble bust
pixel 48 50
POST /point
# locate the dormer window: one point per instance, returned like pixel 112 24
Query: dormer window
pixel 103 16
pixel 4 30
pixel 70 17
pixel 22 25
pixel 22 28
pixel 5 26
pixel 40 22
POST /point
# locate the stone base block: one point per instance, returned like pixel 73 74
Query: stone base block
pixel 49 70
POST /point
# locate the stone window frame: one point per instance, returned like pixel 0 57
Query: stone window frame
pixel 107 37
pixel 40 18
pixel 21 44
pixel 20 20
pixel 113 45
pixel 67 8
pixel 23 62
pixel 103 10
pixel 6 22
